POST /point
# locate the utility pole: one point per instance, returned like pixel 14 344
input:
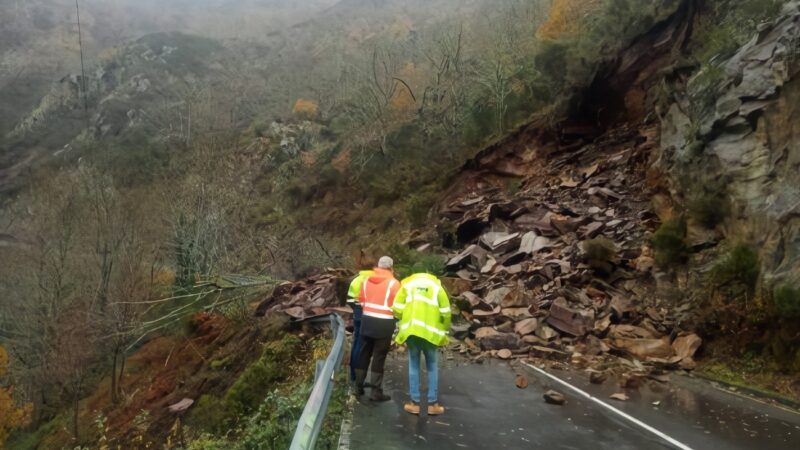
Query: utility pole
pixel 83 69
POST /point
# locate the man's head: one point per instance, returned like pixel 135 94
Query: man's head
pixel 385 263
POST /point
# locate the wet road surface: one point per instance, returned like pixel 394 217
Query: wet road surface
pixel 486 410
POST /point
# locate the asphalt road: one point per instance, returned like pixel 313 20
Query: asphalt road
pixel 485 409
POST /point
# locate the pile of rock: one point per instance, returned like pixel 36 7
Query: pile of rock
pixel 305 298
pixel 562 269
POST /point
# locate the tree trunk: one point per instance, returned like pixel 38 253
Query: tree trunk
pixel 121 374
pixel 114 390
pixel 75 410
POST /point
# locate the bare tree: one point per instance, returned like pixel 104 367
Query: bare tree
pixel 105 224
pixel 445 96
pixel 132 286
pixel 371 90
pixel 74 353
pixel 495 79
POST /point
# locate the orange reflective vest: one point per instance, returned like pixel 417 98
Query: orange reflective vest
pixel 377 294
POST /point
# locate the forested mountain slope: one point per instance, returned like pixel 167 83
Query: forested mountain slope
pixel 649 147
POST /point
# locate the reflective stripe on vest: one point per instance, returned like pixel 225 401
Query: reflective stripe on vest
pixel 419 323
pixel 376 309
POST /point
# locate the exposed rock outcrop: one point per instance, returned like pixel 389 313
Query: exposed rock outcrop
pixel 750 137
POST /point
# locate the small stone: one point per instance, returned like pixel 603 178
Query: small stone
pixel 554 398
pixel 597 377
pixel 619 396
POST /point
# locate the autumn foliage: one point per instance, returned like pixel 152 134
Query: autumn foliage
pixel 11 415
pixel 307 109
pixel 567 18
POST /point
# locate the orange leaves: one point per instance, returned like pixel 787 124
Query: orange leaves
pixel 403 102
pixel 307 109
pixel 3 361
pixel 566 18
pixel 11 415
pixel 342 161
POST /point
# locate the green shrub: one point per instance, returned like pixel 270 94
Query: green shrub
pixel 787 301
pixel 221 364
pixel 478 127
pixel 207 414
pixel 709 208
pixel 207 442
pixel 513 186
pixel 704 90
pixel 600 253
pixel 728 25
pixel 668 243
pixel 273 425
pixel 408 262
pixel 255 382
pixel 551 60
pixel 299 192
pixel 418 206
pixel 738 270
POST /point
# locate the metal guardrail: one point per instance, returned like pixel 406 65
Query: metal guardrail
pixel 305 436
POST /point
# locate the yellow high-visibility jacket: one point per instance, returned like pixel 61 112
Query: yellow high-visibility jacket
pixel 355 286
pixel 423 309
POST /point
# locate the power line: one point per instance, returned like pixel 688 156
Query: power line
pixel 83 69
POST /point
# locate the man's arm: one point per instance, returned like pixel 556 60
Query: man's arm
pixel 352 293
pixel 444 308
pixel 399 304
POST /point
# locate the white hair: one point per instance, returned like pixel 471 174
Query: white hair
pixel 385 262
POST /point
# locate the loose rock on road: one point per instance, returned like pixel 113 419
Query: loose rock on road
pixel 486 409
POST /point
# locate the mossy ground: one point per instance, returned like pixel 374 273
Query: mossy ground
pixel 752 373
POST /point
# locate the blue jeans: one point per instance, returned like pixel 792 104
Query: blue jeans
pixel 416 346
pixel 356 349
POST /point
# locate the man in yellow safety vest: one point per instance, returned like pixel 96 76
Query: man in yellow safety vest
pixel 424 312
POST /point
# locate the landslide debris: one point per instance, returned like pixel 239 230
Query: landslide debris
pixel 313 296
pixel 562 269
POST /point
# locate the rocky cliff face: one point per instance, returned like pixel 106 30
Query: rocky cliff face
pixel 748 138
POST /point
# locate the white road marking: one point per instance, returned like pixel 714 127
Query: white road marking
pixel 622 414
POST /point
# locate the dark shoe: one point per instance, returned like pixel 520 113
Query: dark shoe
pixel 379 396
pixel 411 407
pixel 356 391
pixel 435 409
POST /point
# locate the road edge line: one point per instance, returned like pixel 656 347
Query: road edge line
pixel 622 414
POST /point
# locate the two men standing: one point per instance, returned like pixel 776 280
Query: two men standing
pixel 423 309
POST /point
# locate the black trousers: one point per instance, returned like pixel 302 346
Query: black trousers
pixel 374 350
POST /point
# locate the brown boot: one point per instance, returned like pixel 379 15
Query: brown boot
pixel 435 409
pixel 411 407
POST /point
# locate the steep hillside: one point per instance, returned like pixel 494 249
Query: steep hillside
pixel 608 184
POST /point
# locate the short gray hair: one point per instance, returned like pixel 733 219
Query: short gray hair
pixel 385 262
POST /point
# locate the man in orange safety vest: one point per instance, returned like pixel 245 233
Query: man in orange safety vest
pixel 377 326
